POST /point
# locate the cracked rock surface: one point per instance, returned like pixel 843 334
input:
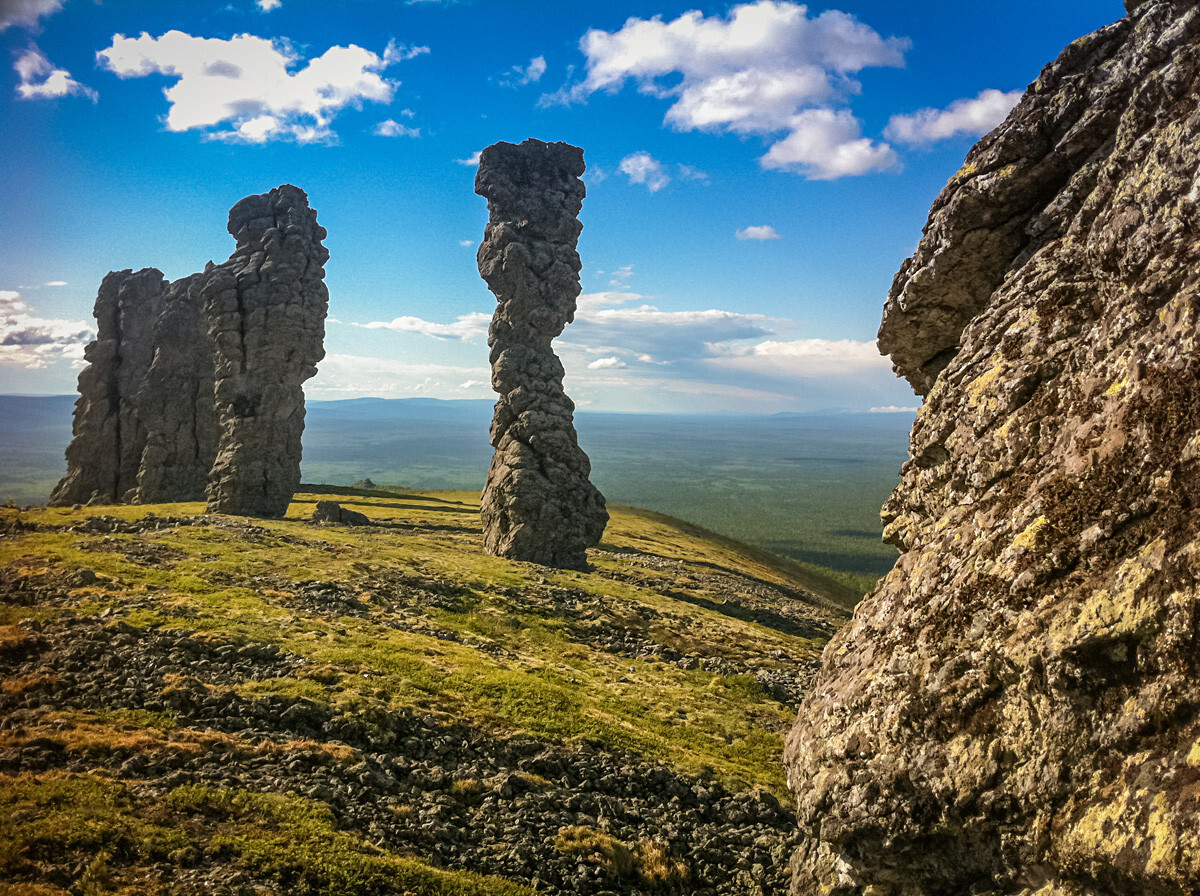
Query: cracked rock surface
pixel 1014 710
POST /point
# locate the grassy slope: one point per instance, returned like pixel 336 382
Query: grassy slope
pixel 435 627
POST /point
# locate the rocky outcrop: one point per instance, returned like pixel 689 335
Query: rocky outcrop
pixel 105 454
pixel 1014 710
pixel 194 387
pixel 539 504
pixel 266 310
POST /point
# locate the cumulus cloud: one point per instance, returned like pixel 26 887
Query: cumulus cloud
pixel 33 342
pixel 471 161
pixel 41 80
pixel 755 71
pixel 802 358
pixel 825 144
pixel 466 242
pixel 466 328
pixel 26 12
pixel 758 232
pixel 662 335
pixel 390 128
pixel 520 75
pixel 966 117
pixel 252 90
pixel 268 5
pixel 643 168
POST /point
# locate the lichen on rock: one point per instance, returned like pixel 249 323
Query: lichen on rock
pixel 539 504
pixel 1014 709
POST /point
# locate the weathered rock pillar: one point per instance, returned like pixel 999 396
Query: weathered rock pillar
pixel 106 452
pixel 266 310
pixel 538 504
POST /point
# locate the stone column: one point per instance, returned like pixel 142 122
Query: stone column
pixel 109 435
pixel 266 310
pixel 538 504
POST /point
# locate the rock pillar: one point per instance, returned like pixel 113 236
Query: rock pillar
pixel 266 310
pixel 538 504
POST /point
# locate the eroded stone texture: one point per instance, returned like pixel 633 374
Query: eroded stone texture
pixel 176 401
pixel 105 453
pixel 1015 710
pixel 266 310
pixel 538 504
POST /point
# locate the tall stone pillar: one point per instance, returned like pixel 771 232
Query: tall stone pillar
pixel 266 310
pixel 538 504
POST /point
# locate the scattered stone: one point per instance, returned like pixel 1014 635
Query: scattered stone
pixel 1015 709
pixel 332 512
pixel 365 484
pixel 538 505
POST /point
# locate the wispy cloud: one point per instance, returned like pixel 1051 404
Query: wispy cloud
pixel 762 69
pixel 471 161
pixel 802 357
pixel 26 12
pixel 465 328
pixel 244 89
pixel 268 5
pixel 520 75
pixel 758 232
pixel 612 363
pixel 40 79
pixel 971 117
pixel 643 168
pixel 343 375
pixel 33 342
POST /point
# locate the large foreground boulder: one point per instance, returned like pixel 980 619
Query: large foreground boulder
pixel 1015 709
pixel 539 504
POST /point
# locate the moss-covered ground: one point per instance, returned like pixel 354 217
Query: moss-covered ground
pixel 669 650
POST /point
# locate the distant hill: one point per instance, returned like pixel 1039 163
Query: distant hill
pixel 198 704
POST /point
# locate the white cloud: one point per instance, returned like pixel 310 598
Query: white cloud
pixel 758 232
pixel 802 358
pixel 520 75
pixel 471 161
pixel 244 90
pixel 825 144
pixel 268 5
pixel 621 276
pixel 35 342
pixel 664 335
pixel 971 117
pixel 466 328
pixel 613 363
pixel 466 242
pixel 341 376
pixel 643 168
pixel 395 52
pixel 892 409
pixel 57 283
pixel 755 71
pixel 591 301
pixel 390 128
pixel 26 12
pixel 687 172
pixel 41 80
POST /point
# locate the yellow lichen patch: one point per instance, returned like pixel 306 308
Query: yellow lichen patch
pixel 1193 758
pixel 1028 537
pixel 1115 388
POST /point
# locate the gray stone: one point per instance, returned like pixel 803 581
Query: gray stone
pixel 1014 709
pixel 538 505
pixel 332 512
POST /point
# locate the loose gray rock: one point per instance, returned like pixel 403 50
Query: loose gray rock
pixel 266 310
pixel 332 512
pixel 538 504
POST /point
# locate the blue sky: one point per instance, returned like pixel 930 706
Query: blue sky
pixel 756 173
